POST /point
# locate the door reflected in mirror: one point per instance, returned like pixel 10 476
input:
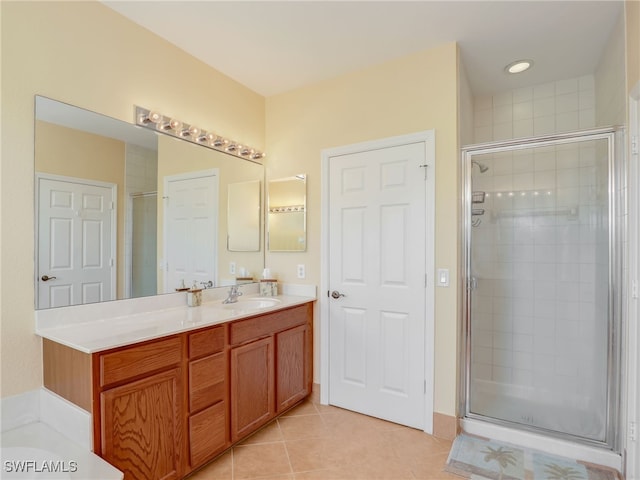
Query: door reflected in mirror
pixel 287 223
pixel 101 210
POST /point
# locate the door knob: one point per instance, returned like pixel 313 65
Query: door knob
pixel 337 294
pixel 47 277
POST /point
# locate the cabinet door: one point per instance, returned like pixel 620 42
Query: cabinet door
pixel 252 387
pixel 142 427
pixel 292 370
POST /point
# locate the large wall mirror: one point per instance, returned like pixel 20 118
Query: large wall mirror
pixel 287 227
pixel 124 212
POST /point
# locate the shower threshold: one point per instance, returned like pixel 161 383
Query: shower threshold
pixel 577 451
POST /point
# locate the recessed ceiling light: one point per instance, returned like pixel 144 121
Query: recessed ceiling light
pixel 518 66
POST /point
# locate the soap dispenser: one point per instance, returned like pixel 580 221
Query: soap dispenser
pixel 194 295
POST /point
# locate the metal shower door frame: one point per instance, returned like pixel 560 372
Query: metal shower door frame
pixel 616 234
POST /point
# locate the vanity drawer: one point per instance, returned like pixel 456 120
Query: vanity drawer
pixel 253 328
pixel 206 342
pixel 206 381
pixel 207 433
pixel 131 362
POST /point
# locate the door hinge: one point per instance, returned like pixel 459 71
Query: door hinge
pixel 425 386
pixel 634 145
pixel 424 165
pixel 634 289
pixel 632 431
pixel 111 205
pixel 111 262
pixel 426 283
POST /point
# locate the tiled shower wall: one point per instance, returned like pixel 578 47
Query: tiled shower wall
pixel 141 177
pixel 560 106
pixel 539 248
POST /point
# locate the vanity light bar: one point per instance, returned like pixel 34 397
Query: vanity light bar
pixel 170 126
pixel 287 209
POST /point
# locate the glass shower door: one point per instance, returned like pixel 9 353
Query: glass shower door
pixel 539 326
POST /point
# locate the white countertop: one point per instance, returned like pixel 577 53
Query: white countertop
pixel 105 333
pixel 36 451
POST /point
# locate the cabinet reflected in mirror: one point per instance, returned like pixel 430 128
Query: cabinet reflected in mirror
pixel 102 203
pixel 287 218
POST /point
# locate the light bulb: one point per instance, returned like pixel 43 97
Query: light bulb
pixel 154 117
pixel 175 124
pixel 150 117
pixel 205 137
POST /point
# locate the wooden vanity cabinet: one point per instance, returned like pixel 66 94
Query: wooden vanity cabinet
pixel 139 419
pixel 271 358
pixel 165 407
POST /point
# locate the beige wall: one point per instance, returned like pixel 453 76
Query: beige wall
pixel 85 54
pixel 410 94
pixel 72 153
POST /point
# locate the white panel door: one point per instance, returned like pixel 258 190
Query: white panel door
pixel 76 242
pixel 378 263
pixel 191 226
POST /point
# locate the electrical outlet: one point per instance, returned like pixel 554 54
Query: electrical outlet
pixel 301 271
pixel 232 268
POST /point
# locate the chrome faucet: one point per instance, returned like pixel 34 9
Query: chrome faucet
pixel 234 293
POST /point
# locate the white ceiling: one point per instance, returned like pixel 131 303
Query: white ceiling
pixel 273 47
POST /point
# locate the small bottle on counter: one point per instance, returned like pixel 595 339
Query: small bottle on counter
pixel 194 296
pixel 268 287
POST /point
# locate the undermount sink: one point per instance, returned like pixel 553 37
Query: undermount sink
pixel 254 303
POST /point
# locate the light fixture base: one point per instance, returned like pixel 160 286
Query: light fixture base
pixel 518 66
pixel 157 122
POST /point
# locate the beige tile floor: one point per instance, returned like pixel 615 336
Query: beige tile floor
pixel 314 441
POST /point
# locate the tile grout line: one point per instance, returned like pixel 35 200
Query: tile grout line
pixel 286 451
pixel 233 464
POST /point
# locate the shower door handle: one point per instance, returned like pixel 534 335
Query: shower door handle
pixel 472 284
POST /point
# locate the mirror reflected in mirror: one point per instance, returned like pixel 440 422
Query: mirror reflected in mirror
pixel 124 212
pixel 287 218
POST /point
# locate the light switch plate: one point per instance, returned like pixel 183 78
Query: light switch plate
pixel 443 277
